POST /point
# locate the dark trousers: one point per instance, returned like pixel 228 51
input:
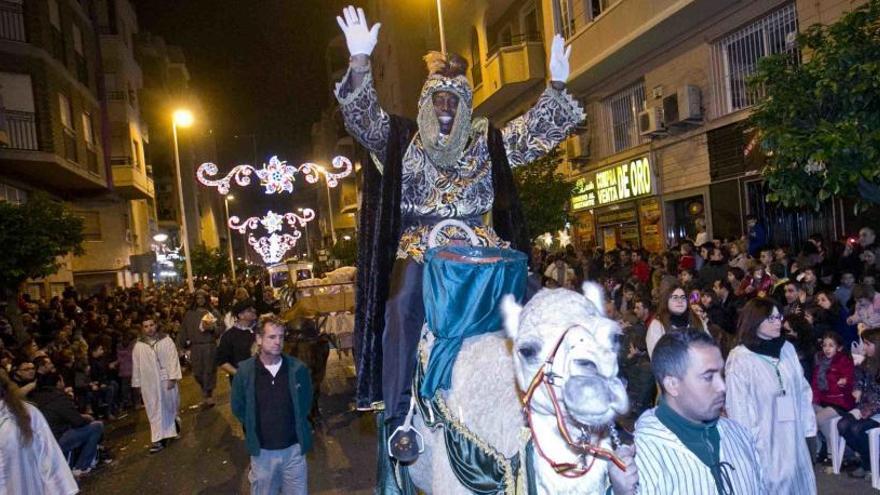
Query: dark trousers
pixel 404 317
pixel 855 432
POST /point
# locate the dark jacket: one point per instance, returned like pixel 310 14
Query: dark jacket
pixel 379 227
pixel 244 401
pixel 58 409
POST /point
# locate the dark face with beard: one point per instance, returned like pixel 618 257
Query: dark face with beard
pixel 445 107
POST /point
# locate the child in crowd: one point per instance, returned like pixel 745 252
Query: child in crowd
pixel 832 383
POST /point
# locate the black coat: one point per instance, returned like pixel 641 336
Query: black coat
pixel 379 228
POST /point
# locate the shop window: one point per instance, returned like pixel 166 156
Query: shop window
pixel 735 57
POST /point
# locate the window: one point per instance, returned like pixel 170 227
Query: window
pixel 77 40
pixel 476 64
pixel 54 16
pixel 91 225
pixel 64 107
pixel 572 15
pixel 12 27
pixel 622 110
pixel 136 157
pixel 735 57
pixel 56 36
pixel 12 194
pixel 88 129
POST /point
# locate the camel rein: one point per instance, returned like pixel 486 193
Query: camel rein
pixel 544 376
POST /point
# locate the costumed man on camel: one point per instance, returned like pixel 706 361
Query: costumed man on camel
pixel 445 165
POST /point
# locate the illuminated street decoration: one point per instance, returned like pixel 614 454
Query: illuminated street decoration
pixel 276 177
pixel 273 248
pixel 272 222
pixel 564 238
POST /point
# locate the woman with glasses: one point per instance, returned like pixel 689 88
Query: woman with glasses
pixel 767 393
pixel 673 313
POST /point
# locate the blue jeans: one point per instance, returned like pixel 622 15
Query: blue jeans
pixel 282 471
pixel 85 438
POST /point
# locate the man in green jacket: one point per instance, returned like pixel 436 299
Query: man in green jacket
pixel 271 397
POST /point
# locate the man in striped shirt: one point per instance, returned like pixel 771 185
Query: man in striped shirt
pixel 683 445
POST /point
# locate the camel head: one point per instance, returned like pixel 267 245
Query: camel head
pixel 584 368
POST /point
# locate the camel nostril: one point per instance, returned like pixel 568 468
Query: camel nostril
pixel 586 364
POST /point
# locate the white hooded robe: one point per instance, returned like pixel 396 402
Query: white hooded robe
pixel 152 366
pixel 38 468
pixel 780 424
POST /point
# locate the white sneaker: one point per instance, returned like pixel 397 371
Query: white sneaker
pixel 79 473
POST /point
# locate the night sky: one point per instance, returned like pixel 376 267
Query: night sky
pixel 258 66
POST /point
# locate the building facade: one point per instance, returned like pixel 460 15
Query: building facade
pixel 53 137
pixel 665 150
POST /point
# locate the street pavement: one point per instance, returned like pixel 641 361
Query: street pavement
pixel 210 458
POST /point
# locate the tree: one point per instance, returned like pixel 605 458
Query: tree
pixel 819 122
pixel 211 263
pixel 544 194
pixel 35 236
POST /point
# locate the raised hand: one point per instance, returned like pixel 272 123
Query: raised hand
pixel 361 39
pixel 559 68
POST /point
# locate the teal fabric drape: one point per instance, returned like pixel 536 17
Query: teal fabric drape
pixel 462 291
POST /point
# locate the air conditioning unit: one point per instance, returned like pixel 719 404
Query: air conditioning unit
pixel 683 107
pixel 577 148
pixel 651 122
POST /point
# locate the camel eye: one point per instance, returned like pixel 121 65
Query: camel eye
pixel 528 352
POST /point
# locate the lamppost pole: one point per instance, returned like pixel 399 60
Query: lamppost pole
pixel 229 236
pixel 440 21
pixel 330 211
pixel 185 119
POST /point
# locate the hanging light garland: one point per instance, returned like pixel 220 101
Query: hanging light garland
pixel 276 176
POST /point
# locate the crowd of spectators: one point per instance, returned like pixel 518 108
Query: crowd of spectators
pixel 823 295
pixel 72 356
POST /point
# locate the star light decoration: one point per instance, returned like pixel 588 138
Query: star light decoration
pixel 273 247
pixel 276 177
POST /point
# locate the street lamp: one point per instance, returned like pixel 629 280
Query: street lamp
pixel 182 118
pixel 226 200
pixel 160 237
pixel 308 244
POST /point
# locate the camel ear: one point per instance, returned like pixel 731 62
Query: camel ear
pixel 510 312
pixel 594 293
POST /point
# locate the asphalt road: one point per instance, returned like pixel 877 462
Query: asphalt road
pixel 210 458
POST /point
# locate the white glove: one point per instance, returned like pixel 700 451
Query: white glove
pixel 358 37
pixel 559 60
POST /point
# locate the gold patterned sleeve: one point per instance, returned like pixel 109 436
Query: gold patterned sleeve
pixel 533 134
pixel 364 117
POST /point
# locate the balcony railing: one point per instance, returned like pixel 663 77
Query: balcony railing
pixel 12 21
pixel 22 128
pixel 70 145
pixel 120 160
pixel 513 41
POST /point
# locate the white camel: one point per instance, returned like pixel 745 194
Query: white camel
pixel 493 370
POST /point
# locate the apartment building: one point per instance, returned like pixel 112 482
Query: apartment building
pixel 53 136
pixel 665 149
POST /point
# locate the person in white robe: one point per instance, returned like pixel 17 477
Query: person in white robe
pixel 156 371
pixel 768 394
pixel 30 464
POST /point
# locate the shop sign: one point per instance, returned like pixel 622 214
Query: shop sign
pixel 619 182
